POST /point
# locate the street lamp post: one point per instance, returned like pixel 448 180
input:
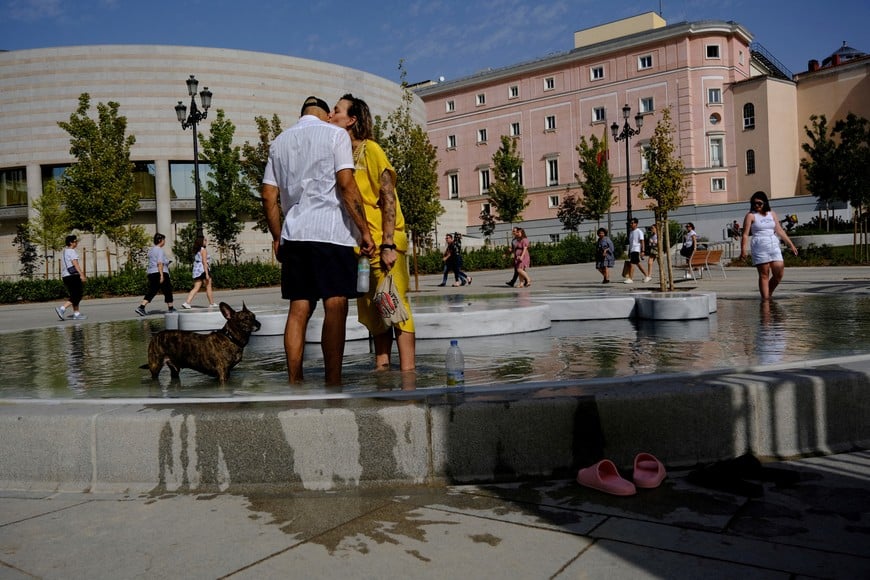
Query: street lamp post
pixel 626 134
pixel 190 121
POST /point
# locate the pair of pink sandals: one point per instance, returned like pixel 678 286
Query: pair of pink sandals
pixel 603 476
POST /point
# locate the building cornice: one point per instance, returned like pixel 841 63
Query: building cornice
pixel 674 31
pixel 846 67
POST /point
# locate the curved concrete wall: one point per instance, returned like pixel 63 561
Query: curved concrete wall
pixel 40 87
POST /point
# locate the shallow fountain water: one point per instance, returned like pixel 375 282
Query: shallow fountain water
pixel 102 360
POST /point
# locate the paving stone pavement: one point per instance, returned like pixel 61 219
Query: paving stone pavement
pixel 818 527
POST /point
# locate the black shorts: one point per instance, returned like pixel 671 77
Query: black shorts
pixel 317 270
pixel 634 257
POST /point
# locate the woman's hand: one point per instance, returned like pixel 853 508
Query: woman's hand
pixel 388 258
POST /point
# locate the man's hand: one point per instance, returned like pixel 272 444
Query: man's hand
pixel 367 244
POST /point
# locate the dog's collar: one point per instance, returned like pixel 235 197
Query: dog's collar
pixel 232 338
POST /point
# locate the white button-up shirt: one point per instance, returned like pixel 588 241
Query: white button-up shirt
pixel 302 164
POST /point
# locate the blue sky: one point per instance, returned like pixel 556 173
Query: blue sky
pixel 435 38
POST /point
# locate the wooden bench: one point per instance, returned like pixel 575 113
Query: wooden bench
pixel 702 259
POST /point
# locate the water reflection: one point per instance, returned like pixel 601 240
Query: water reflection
pixel 75 358
pixel 102 360
pixel 770 342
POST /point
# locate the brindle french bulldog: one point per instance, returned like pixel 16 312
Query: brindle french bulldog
pixel 214 354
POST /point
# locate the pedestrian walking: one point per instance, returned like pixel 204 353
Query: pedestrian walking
pixel 158 275
pixel 73 276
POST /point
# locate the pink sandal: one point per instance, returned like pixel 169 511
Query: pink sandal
pixel 604 476
pixel 648 471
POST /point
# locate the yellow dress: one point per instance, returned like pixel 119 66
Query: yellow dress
pixel 371 162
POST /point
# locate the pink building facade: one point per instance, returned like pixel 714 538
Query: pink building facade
pixel 548 104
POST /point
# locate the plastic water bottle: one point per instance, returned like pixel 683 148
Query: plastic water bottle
pixel 362 274
pixel 455 364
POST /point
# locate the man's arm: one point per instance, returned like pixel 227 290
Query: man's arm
pixel 351 199
pixel 387 203
pixel 272 209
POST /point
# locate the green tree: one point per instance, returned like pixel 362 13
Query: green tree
pixel 487 224
pixel 254 158
pixel 506 194
pixel 183 249
pixel 595 179
pixel 853 161
pixel 226 197
pixel 837 167
pixel 415 160
pixel 50 226
pixel 570 213
pixel 135 241
pixel 665 185
pixel 28 256
pixel 98 187
pixel 820 167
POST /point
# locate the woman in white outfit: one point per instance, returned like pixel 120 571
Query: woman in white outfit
pixel 201 273
pixel 761 222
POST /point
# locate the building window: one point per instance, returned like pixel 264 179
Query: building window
pixel 550 123
pixel 740 57
pixel 453 185
pixel 715 119
pixel 451 141
pixel 644 62
pixel 52 173
pixel 644 157
pixel 712 51
pixel 486 209
pixel 717 184
pixel 481 99
pixel 519 175
pixel 513 92
pixel 515 129
pixel 450 106
pixel 596 73
pixel 144 179
pixel 599 115
pixel 714 96
pixel 13 187
pixel 554 238
pixel 181 179
pixel 549 84
pixel 484 180
pixel 647 105
pixel 749 116
pixel 717 152
pixel 553 201
pixel 481 135
pixel 552 172
pixel 750 161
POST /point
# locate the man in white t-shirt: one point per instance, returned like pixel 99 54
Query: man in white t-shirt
pixel 635 252
pixel 310 169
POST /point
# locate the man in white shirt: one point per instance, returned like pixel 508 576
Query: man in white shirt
pixel 635 252
pixel 310 169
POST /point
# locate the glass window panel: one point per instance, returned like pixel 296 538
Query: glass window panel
pixel 13 187
pixel 181 179
pixel 144 179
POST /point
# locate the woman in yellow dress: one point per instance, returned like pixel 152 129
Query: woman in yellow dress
pixel 376 180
